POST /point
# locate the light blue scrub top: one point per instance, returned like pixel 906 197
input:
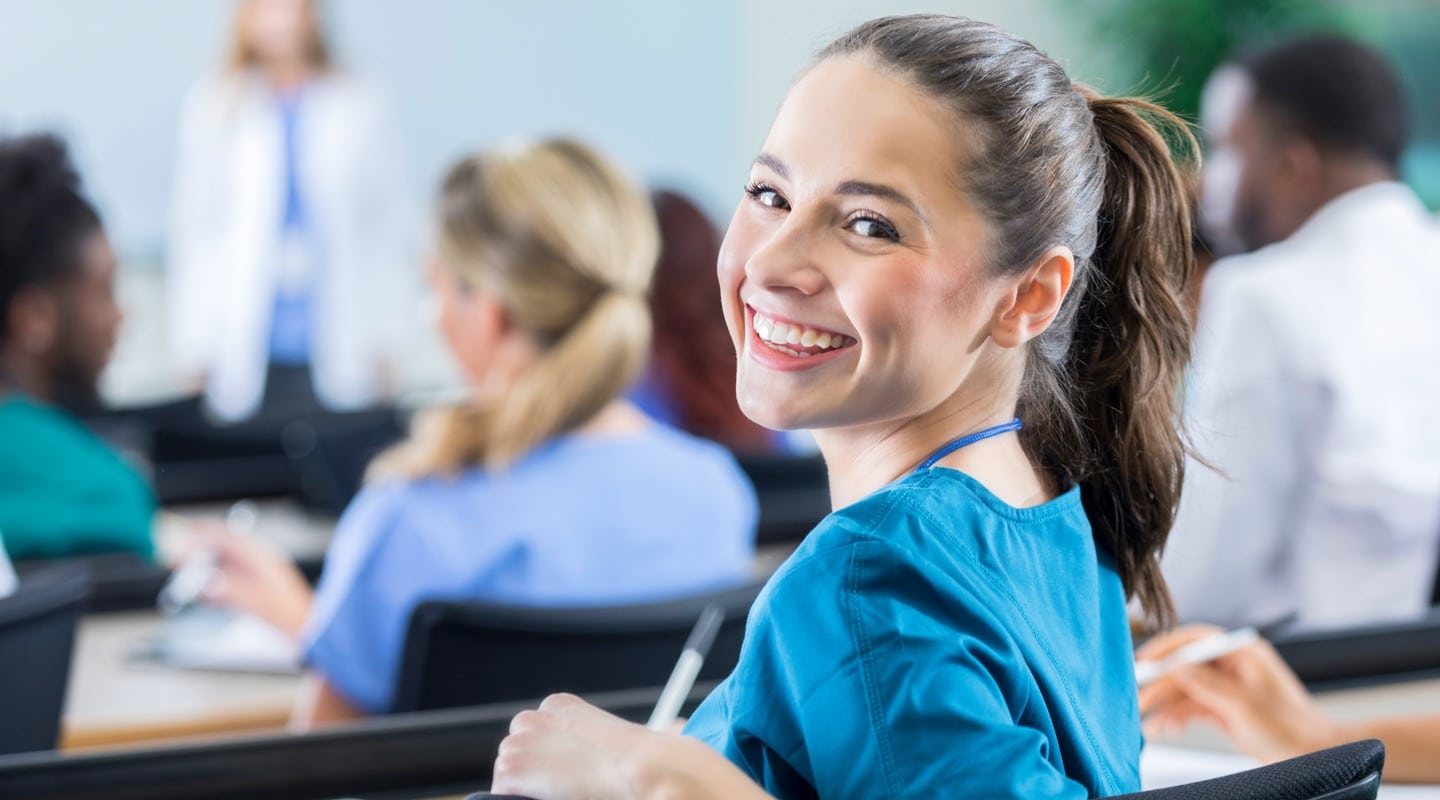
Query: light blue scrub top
pixel 293 313
pixel 581 520
pixel 933 641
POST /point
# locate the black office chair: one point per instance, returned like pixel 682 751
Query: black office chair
pixel 1348 772
pixel 466 654
pixel 117 581
pixel 793 494
pixel 37 635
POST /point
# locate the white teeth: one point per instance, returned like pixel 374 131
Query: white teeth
pixel 780 334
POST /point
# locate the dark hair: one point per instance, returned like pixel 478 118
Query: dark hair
pixel 1055 164
pixel 43 216
pixel 691 354
pixel 1334 91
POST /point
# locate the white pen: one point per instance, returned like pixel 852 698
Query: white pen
pixel 682 678
pixel 1197 652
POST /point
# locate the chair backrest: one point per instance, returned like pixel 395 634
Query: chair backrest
pixel 1348 772
pixel 467 653
pixel 37 635
pixel 1435 587
pixel 117 581
pixel 793 494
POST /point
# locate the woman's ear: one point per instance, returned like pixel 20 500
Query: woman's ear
pixel 1035 299
pixel 33 320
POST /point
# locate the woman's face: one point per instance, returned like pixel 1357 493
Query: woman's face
pixel 855 239
pixel 280 30
pixel 470 321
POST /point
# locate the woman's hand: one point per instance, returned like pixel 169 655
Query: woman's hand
pixel 1251 694
pixel 569 749
pixel 255 577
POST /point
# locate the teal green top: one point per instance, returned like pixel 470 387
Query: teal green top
pixel 63 492
pixel 933 641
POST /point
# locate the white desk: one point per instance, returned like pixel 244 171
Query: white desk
pixel 1201 752
pixel 111 701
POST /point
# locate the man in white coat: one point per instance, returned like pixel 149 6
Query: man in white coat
pixel 1315 385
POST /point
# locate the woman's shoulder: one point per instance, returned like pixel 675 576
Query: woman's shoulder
pixel 936 520
pixel 655 450
pixel 53 433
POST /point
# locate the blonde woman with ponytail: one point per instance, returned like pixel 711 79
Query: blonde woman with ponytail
pixel 963 272
pixel 544 487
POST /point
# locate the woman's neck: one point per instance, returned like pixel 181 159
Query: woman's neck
pixel 862 459
pixel 22 375
pixel 287 76
pixel 617 419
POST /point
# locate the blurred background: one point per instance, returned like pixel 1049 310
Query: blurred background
pixel 681 93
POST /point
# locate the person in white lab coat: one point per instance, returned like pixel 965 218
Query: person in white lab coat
pixel 1314 385
pixel 289 264
pixel 7 572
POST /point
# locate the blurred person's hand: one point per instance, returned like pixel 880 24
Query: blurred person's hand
pixel 256 578
pixel 570 749
pixel 1250 694
pixel 195 382
pixel 387 378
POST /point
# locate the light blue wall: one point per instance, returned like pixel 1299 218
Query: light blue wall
pixel 649 81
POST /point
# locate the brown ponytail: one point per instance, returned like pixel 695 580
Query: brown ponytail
pixel 1051 163
pixel 568 244
pixel 1132 341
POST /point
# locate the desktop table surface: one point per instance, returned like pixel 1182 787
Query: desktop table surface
pixel 113 700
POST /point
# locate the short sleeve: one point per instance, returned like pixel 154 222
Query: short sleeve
pixel 891 689
pixel 356 630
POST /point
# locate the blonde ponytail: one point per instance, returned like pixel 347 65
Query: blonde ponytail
pixel 575 379
pixel 568 245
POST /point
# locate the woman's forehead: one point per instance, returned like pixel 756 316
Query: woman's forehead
pixel 846 120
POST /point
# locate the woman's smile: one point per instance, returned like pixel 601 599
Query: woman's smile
pixel 785 344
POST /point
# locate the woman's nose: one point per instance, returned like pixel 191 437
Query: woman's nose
pixel 785 260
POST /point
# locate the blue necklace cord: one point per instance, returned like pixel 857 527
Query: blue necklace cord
pixel 969 439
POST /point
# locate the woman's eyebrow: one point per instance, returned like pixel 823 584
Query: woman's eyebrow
pixel 775 164
pixel 882 191
pixel 850 188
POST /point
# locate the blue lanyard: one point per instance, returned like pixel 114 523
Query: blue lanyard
pixel 969 439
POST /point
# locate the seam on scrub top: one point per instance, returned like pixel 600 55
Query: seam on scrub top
pixel 869 683
pixel 989 577
pixel 1044 649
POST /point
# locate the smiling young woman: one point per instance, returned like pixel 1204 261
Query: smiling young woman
pixel 943 239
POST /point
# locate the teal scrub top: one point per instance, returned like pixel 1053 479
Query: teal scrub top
pixel 933 641
pixel 63 492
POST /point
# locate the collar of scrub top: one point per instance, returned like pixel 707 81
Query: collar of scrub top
pixel 968 439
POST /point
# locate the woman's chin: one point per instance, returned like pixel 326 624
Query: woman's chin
pixel 766 413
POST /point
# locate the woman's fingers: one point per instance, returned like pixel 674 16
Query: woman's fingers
pixel 1167 643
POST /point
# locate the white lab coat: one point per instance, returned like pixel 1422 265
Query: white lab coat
pixel 7 573
pixel 227 222
pixel 1316 392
